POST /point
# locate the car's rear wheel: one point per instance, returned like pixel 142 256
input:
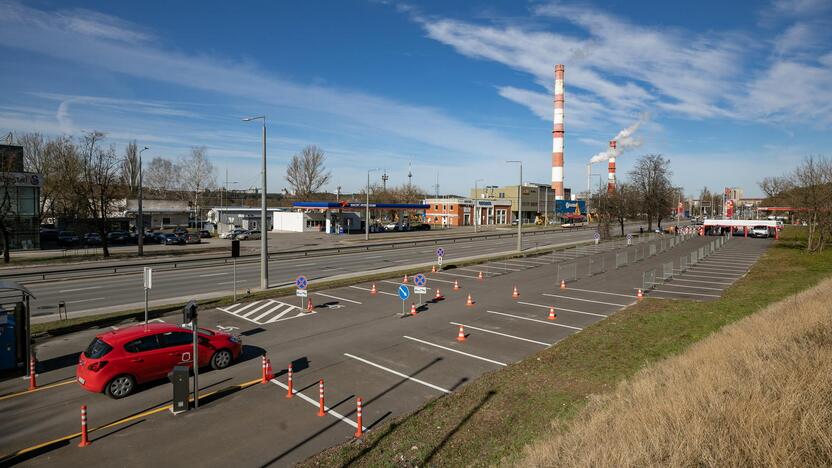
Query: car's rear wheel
pixel 221 359
pixel 120 386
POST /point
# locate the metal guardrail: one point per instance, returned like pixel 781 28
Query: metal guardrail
pixel 252 258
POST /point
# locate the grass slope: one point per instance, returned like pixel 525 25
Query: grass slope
pixel 493 418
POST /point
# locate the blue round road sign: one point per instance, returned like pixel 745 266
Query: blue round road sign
pixel 420 280
pixel 301 282
pixel 404 292
pixel 440 252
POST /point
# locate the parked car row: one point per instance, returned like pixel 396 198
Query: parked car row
pixel 241 234
pixel 70 239
pixel 399 227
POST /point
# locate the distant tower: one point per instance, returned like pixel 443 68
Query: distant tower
pixel 436 185
pixel 384 178
pixel 611 168
pixel 557 136
pixel 409 174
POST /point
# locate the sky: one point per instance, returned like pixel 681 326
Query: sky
pixel 729 92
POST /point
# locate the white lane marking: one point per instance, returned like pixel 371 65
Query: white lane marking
pixel 78 289
pixel 688 274
pixel 691 287
pixel 404 376
pixel 440 280
pixel 374 256
pixel 516 263
pixel 245 307
pixel 600 292
pixel 380 292
pixel 304 264
pixel 86 300
pixel 533 320
pixel 336 297
pixel 498 267
pixel 716 272
pixel 727 261
pixel 279 317
pixel 279 306
pixel 456 351
pixel 213 274
pixel 679 278
pixel 562 308
pixel 534 260
pixel 252 311
pixel 588 300
pixel 231 282
pixel 409 283
pixel 315 403
pixel 461 276
pixel 501 334
pixel 727 270
pixel 684 293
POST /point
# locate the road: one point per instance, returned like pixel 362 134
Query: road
pixel 359 344
pixel 119 292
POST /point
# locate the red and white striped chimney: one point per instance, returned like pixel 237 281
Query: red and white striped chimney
pixel 557 136
pixel 611 174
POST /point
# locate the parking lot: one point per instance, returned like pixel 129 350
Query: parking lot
pixel 361 345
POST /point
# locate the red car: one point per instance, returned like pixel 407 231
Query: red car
pixel 118 360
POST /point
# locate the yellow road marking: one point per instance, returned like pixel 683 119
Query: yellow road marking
pixel 26 392
pixel 121 421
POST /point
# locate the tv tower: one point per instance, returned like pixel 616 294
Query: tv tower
pixel 384 178
pixel 409 175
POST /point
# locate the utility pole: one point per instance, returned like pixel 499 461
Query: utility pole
pixel 519 207
pixel 384 178
pixel 140 224
pixel 476 204
pixel 264 228
pixel 367 221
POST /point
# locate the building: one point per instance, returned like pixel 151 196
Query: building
pixel 19 200
pixel 158 214
pixel 538 200
pixel 464 211
pixel 229 217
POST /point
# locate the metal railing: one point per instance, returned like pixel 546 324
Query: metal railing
pixel 620 259
pixel 567 272
pixel 667 270
pixel 648 279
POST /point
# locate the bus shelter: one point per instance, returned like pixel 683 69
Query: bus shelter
pixel 15 327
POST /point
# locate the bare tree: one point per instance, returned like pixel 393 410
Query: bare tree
pixel 162 176
pixel 100 182
pixel 197 174
pixel 8 208
pixel 651 180
pixel 623 203
pixel 306 172
pixel 130 168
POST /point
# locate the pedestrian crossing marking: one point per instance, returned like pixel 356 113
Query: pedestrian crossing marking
pixel 266 311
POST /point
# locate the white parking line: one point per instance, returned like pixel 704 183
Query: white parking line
pixel 533 320
pixel 86 300
pixel 588 300
pixel 304 264
pixel 691 287
pixel 404 376
pixel 315 403
pixel 689 274
pixel 704 282
pixel 711 271
pixel 454 274
pixel 562 308
pixel 535 260
pixel 213 274
pixel 600 292
pixel 729 270
pixel 336 297
pixel 79 289
pixel 441 280
pixel 380 292
pixel 684 293
pixel 456 351
pixel 498 267
pixel 501 334
pixel 727 261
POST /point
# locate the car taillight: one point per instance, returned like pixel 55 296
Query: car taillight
pixel 97 366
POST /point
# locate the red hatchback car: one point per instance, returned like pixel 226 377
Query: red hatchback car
pixel 118 360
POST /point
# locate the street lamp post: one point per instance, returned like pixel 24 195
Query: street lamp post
pixel 519 207
pixel 140 224
pixel 367 220
pixel 476 205
pixel 264 228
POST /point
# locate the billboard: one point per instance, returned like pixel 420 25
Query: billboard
pixel 570 206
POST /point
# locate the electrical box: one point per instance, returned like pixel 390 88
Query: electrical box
pixel 180 379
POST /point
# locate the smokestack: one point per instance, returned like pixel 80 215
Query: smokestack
pixel 557 136
pixel 611 175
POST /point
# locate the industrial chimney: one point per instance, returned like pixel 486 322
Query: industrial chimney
pixel 611 175
pixel 557 136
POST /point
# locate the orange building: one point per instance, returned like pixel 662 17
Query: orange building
pixel 465 211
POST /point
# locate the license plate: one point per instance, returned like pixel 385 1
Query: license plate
pixel 81 380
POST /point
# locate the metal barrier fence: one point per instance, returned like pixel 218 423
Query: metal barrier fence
pixel 648 279
pixel 620 259
pixel 683 263
pixel 567 272
pixel 596 265
pixel 639 253
pixel 694 258
pixel 652 250
pixel 668 270
pixel 701 253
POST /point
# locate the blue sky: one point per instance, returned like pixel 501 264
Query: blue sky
pixel 731 92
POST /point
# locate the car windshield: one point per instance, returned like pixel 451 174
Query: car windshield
pixel 67 233
pixel 170 235
pixel 97 349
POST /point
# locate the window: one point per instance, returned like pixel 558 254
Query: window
pixel 169 339
pixel 97 349
pixel 502 194
pixel 165 221
pixel 145 343
pixel 436 207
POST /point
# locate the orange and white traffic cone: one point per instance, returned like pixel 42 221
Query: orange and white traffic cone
pixel 269 372
pixel 373 289
pixel 640 293
pixel 359 429
pixel 33 381
pixel 563 284
pixel 405 279
pixel 289 392
pixel 433 268
pixel 479 276
pixel 321 410
pixel 470 301
pixel 515 293
pixel 461 335
pixel 552 314
pixel 456 285
pixel 438 295
pixel 84 438
pixel 309 306
pixel 412 309
pixel 263 378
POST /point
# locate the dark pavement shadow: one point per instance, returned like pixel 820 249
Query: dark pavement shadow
pixel 253 331
pixel 59 362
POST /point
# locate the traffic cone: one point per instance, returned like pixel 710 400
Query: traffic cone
pixel 456 285
pixel 640 293
pixel 289 392
pixel 84 439
pixel 438 295
pixel 563 284
pixel 309 306
pixel 552 314
pixel 373 289
pixel 470 301
pixel 33 381
pixel 359 429
pixel 269 372
pixel 412 309
pixel 479 276
pixel 433 268
pixel 405 279
pixel 263 378
pixel 515 293
pixel 321 411
pixel 461 335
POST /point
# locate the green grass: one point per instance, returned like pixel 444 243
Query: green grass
pixel 490 420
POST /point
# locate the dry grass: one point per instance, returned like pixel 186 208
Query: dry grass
pixel 756 393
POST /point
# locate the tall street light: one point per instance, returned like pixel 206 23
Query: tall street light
pixel 264 228
pixel 141 213
pixel 476 205
pixel 519 207
pixel 367 221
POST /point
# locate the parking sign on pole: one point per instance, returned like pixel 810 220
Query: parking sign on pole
pixel 301 283
pixel 148 284
pixel 420 286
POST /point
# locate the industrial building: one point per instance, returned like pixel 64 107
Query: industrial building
pixel 539 200
pixel 19 200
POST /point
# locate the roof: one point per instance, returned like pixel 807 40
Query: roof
pixel 6 285
pixel 351 205
pixel 121 335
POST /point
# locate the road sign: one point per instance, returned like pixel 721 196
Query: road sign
pixel 420 280
pixel 439 261
pixel 148 278
pixel 440 252
pixel 420 290
pixel 301 282
pixel 404 292
pixel 629 239
pixel 300 292
pixel 597 235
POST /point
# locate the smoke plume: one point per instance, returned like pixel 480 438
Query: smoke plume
pixel 624 141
